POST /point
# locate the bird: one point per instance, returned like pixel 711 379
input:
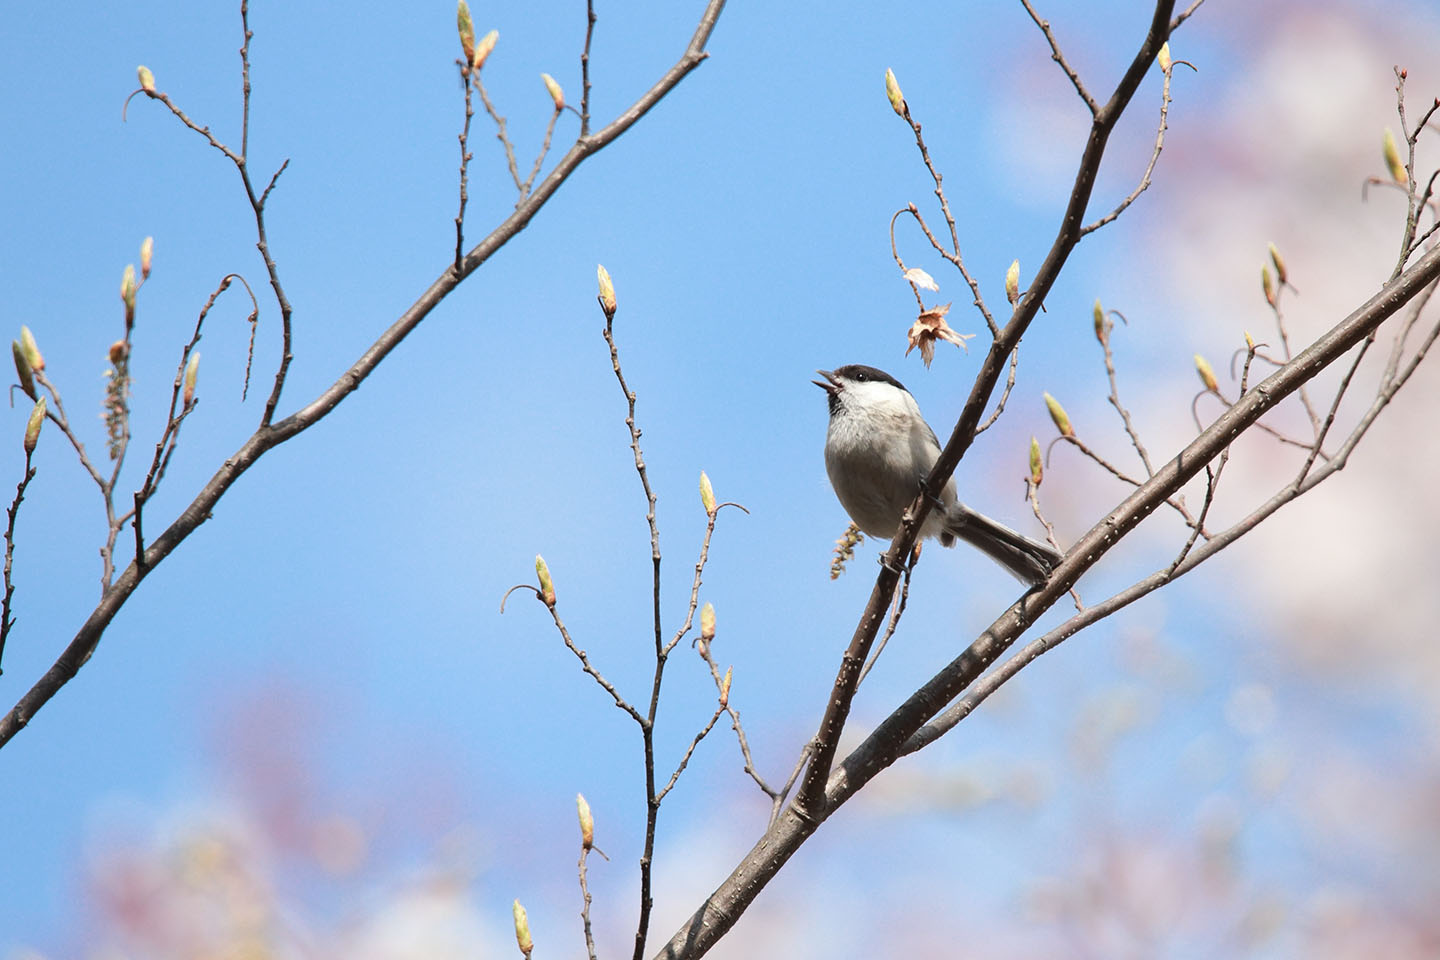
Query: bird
pixel 878 451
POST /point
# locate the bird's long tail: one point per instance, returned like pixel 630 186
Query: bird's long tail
pixel 1029 561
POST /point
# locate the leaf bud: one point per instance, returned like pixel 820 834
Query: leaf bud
pixel 1207 375
pixel 587 822
pixel 547 586
pixel 22 370
pixel 32 426
pixel 607 291
pixel 1058 414
pixel 556 93
pixel 522 929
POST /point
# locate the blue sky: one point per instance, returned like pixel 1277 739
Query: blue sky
pixel 341 607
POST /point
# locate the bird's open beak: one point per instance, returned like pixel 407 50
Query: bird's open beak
pixel 829 384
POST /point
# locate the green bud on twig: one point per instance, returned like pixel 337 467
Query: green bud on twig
pixel 1392 159
pixel 547 586
pixel 22 370
pixel 707 494
pixel 892 92
pixel 1058 414
pixel 32 426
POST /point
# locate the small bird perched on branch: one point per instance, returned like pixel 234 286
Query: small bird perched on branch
pixel 878 450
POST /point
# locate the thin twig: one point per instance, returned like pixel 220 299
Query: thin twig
pixel 502 136
pixel 585 910
pixel 1004 393
pixel 897 611
pixel 540 158
pixel 1154 155
pixel 1032 493
pixel 465 156
pixel 1103 335
pixel 6 620
pixel 1059 58
pixel 585 70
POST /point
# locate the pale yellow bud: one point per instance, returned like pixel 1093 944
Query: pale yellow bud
pixel 1012 282
pixel 147 250
pixel 192 370
pixel 1207 375
pixel 32 426
pixel 607 290
pixel 707 622
pixel 1058 414
pixel 482 50
pixel 22 370
pixel 32 349
pixel 707 494
pixel 1267 283
pixel 556 93
pixel 892 91
pixel 522 929
pixel 1164 56
pixel 547 586
pixel 725 687
pixel 1392 159
pixel 1280 272
pixel 127 288
pixel 147 79
pixel 1099 321
pixel 587 822
pixel 1037 467
pixel 1249 341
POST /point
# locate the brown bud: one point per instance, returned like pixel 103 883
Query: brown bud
pixel 118 351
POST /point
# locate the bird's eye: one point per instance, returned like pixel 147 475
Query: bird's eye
pixel 861 377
